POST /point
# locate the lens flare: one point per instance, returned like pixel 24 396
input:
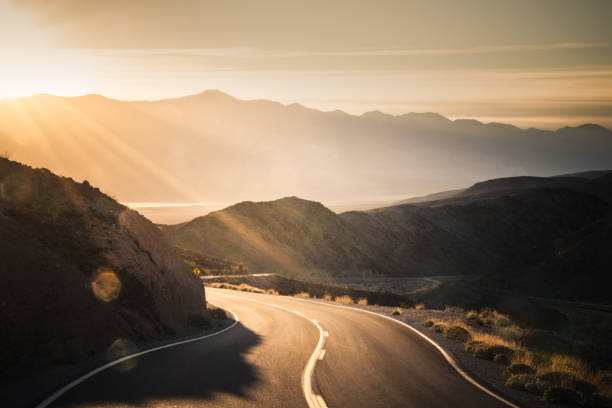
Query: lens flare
pixel 106 286
pixel 122 348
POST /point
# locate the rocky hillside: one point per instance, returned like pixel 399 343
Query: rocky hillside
pixel 79 271
pixel 523 232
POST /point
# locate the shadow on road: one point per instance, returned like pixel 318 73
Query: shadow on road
pixel 191 372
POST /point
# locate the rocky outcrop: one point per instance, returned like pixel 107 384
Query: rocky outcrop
pixel 79 271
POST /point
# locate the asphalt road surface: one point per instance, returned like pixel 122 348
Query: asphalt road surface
pixel 287 352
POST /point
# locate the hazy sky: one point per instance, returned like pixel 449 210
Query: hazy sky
pixel 546 63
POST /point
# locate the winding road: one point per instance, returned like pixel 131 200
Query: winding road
pixel 287 352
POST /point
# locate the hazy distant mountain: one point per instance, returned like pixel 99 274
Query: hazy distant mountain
pixel 212 147
pixel 79 271
pixel 544 236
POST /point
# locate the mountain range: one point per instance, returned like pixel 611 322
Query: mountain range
pixel 211 147
pixel 545 236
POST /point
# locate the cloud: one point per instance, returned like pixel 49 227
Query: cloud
pixel 257 53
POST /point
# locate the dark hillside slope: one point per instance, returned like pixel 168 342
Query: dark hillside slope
pixel 290 236
pixel 514 232
pixel 79 271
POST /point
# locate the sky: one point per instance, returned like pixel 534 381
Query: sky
pixel 545 63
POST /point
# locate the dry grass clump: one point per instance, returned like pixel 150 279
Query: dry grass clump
pixel 362 301
pixel 344 299
pixel 453 329
pixel 303 295
pixel 488 317
pixel 420 306
pixel 397 311
pixel 327 297
pixel 453 309
pixel 557 378
pixel 243 287
pixel 272 292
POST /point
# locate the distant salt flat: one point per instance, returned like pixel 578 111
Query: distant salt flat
pixel 174 213
pixel 161 205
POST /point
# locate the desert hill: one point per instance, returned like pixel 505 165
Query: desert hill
pixel 79 271
pixel 211 147
pixel 516 232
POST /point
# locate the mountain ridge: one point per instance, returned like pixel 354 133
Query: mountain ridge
pixel 515 233
pixel 216 93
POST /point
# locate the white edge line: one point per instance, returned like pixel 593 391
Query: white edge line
pixel 53 397
pixel 322 354
pixel 313 400
pixel 447 356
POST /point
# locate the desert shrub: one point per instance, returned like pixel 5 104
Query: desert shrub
pixel 599 401
pixel 397 311
pixel 473 318
pixel 428 323
pixel 501 321
pixel 556 377
pixel 453 309
pixel 519 381
pixel 537 387
pixel 420 306
pixel 271 292
pixel 486 350
pixel 480 350
pixel 458 333
pixel 302 295
pixel 512 332
pixel 327 297
pixel 344 299
pixel 569 364
pixel 584 387
pixel 440 327
pixel 606 379
pixel 561 395
pixel 499 349
pixel 519 368
pixel 362 301
pixel 501 359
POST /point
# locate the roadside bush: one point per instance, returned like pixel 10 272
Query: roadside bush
pixel 473 318
pixel 537 387
pixel 519 368
pixel 458 333
pixel 561 395
pixel 302 295
pixel 501 321
pixel 344 299
pixel 428 323
pixel 420 306
pixel 599 401
pixel 487 351
pixel 519 381
pixel 556 377
pixel 327 297
pixel 584 387
pixel 479 349
pixel 271 292
pixel 397 311
pixel 440 327
pixel 501 359
pixel 362 301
